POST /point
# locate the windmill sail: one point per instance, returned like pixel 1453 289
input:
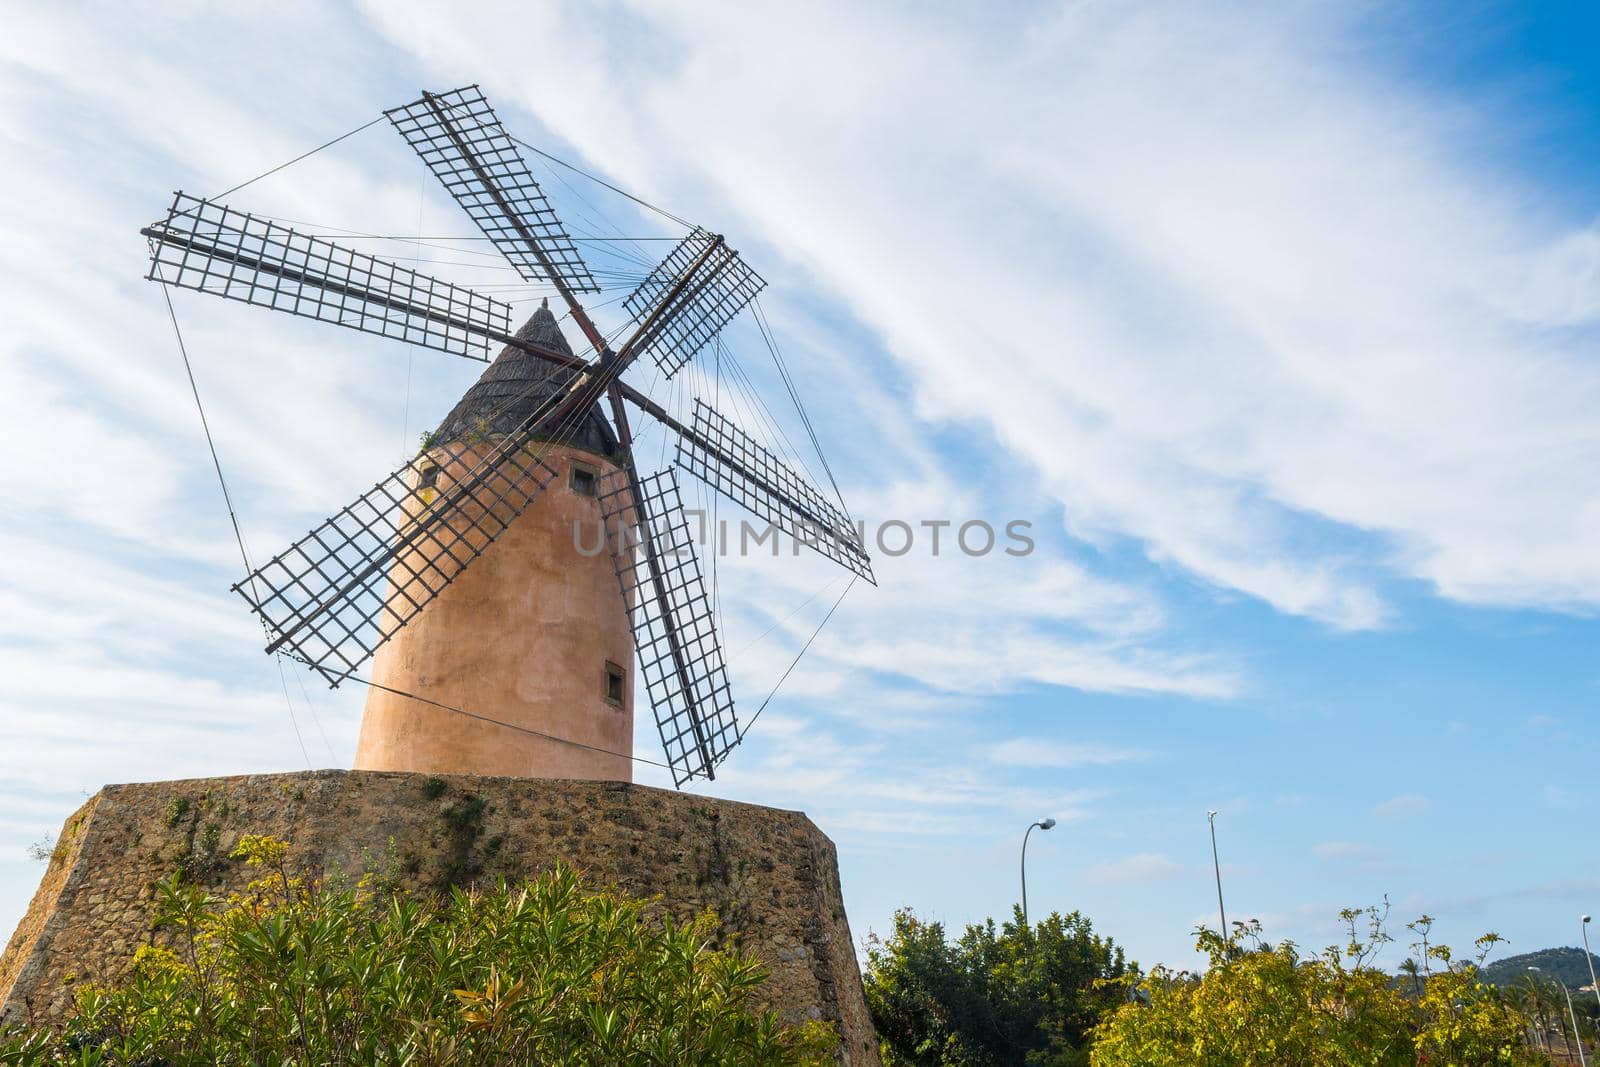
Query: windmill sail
pixel 461 140
pixel 335 596
pixel 338 593
pixel 736 465
pixel 720 285
pixel 323 597
pixel 212 248
pixel 675 632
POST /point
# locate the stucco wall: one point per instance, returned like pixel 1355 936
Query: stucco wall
pixel 522 636
pixel 771 875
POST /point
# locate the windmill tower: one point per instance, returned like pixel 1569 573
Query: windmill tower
pixel 538 630
pixel 518 666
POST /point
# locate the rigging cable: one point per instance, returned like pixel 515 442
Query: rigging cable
pixel 507 725
pixel 796 662
pixel 794 395
pixel 227 499
pixel 296 159
pixel 411 350
pixel 316 721
pixel 283 680
pixel 663 212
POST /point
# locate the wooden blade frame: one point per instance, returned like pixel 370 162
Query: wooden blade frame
pixel 746 472
pixel 212 248
pixel 333 597
pixel 720 288
pixel 461 140
pixel 674 628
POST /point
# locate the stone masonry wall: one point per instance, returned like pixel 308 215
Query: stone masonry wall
pixel 771 875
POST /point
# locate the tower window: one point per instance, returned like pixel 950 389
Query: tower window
pixel 616 684
pixel 430 477
pixel 585 480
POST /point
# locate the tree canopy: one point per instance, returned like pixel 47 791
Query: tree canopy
pixel 1060 994
pixel 1011 994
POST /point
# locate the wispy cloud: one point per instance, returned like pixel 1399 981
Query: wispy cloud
pixel 1401 807
pixel 1036 752
pixel 1336 387
pixel 1344 850
pixel 1355 855
pixel 1140 869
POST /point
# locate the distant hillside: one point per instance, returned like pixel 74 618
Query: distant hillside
pixel 1562 964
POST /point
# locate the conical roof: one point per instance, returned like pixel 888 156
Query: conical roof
pixel 515 385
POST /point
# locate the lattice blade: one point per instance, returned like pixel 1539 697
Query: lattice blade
pixel 746 472
pixel 212 248
pixel 338 593
pixel 461 140
pixel 674 629
pixel 718 289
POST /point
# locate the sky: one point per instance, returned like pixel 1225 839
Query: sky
pixel 1275 323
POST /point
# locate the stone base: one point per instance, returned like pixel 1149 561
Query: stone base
pixel 771 875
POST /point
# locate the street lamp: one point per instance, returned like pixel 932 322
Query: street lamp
pixel 1042 824
pixel 1589 959
pixel 1211 817
pixel 1573 1015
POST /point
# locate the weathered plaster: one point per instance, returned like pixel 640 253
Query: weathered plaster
pixel 522 636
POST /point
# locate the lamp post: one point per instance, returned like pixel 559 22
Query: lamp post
pixel 1042 824
pixel 1589 959
pixel 1583 1061
pixel 1216 868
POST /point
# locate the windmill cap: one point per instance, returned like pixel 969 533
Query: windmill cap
pixel 515 385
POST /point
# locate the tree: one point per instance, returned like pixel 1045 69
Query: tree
pixel 1261 1005
pixel 298 971
pixel 1529 998
pixel 1412 970
pixel 998 995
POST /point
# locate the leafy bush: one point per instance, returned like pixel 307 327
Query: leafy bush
pixel 296 971
pixel 1007 995
pixel 1260 1005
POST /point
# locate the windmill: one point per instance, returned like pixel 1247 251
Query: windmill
pixel 387 578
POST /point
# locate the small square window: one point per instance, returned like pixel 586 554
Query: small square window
pixel 616 684
pixel 430 477
pixel 585 480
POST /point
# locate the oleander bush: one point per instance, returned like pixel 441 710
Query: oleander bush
pixel 301 971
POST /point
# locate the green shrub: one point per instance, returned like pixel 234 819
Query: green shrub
pixel 296 971
pixel 999 995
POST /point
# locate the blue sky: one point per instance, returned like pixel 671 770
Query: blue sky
pixel 1278 324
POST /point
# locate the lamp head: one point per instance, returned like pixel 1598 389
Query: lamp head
pixel 1211 814
pixel 1586 918
pixel 1045 823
